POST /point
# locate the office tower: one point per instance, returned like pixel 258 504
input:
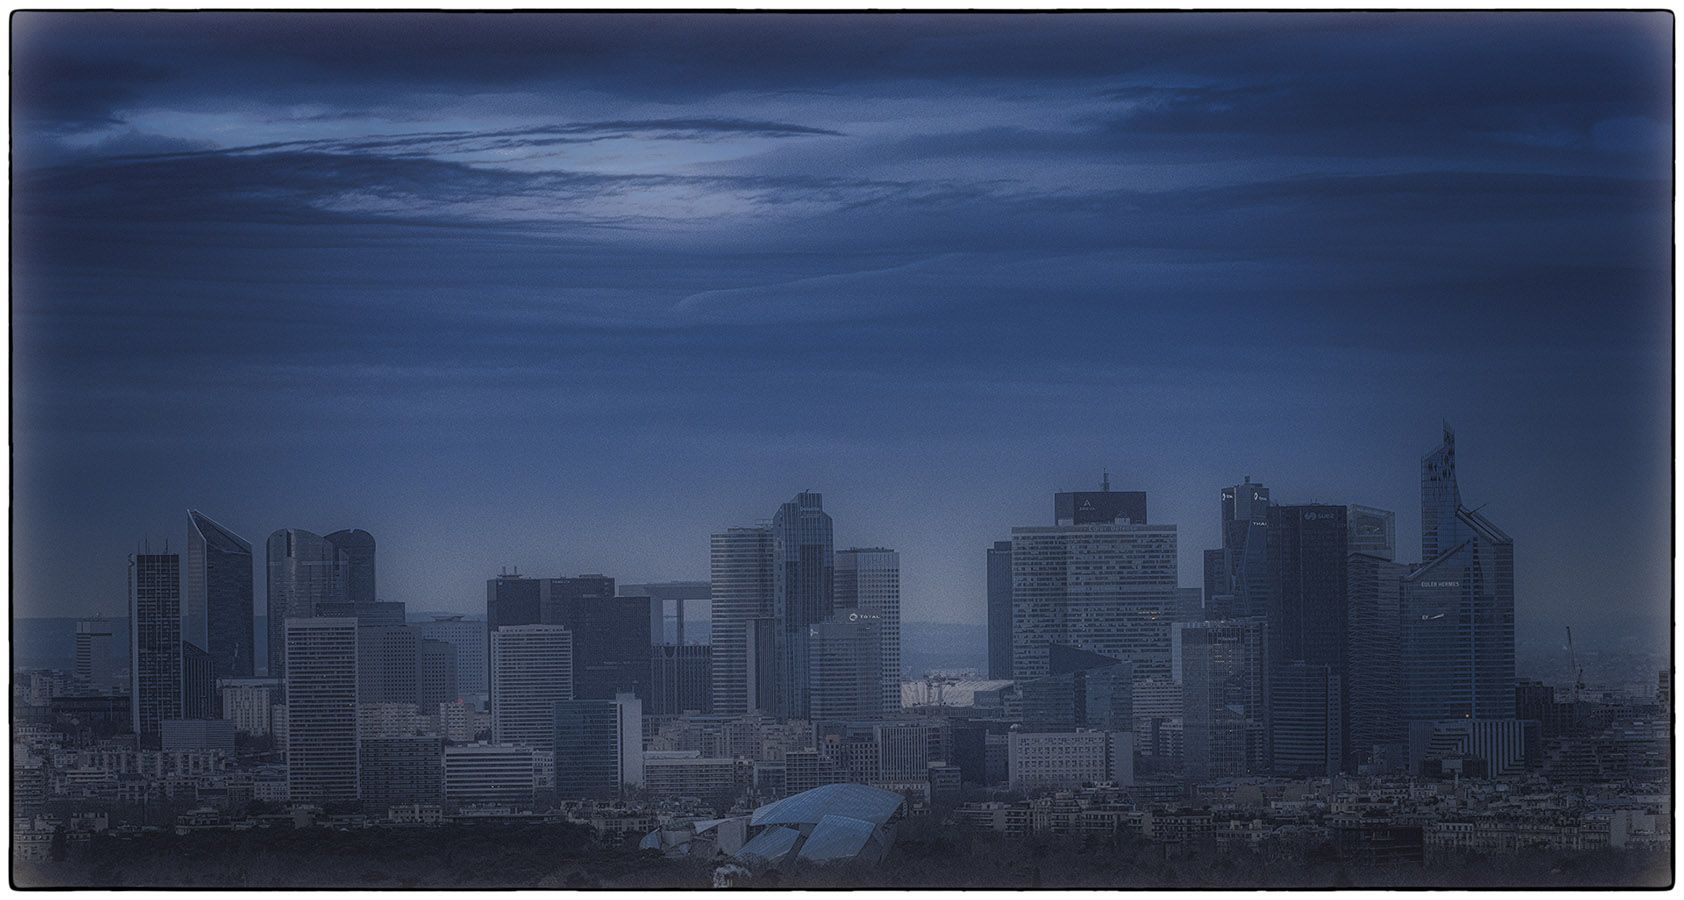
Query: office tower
pixel 1305 726
pixel 1000 610
pixel 1108 589
pixel 598 746
pixel 388 664
pixel 489 774
pixel 249 703
pixel 1189 604
pixel 1308 605
pixel 358 547
pixel 198 683
pixel 1237 573
pixel 1373 656
pixel 740 564
pixel 871 577
pixel 1101 507
pixel 467 637
pixel 847 667
pixel 154 642
pixel 384 612
pixel 1157 706
pixel 1372 531
pixel 1458 607
pixel 761 664
pixel 511 599
pixel 1224 698
pixel 321 688
pixel 611 648
pixel 681 680
pixel 394 771
pixel 676 603
pixel 93 649
pixel 803 583
pixel 304 570
pixel 531 670
pixel 219 596
pixel 1065 760
pixel 437 660
pixel 1080 690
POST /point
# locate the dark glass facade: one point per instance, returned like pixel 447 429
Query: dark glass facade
pixel 587 749
pixel 305 570
pixel 155 642
pixel 358 547
pixel 611 648
pixel 219 596
pixel 1104 507
pixel 1000 610
pixel 803 593
pixel 1237 573
pixel 1307 612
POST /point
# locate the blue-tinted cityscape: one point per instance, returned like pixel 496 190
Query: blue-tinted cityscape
pixel 623 364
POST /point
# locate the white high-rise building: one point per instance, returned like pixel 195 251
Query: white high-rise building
pixel 321 732
pixel 741 569
pixel 531 670
pixel 868 582
pixel 1107 588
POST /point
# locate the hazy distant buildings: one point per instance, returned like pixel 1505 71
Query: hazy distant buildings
pixel 1000 610
pixel 868 581
pixel 740 562
pixel 305 569
pixel 218 604
pixel 436 661
pixel 1372 531
pixel 1108 589
pixel 155 642
pixel 358 547
pixel 321 689
pixel 467 638
pixel 531 671
pixel 803 582
pixel 1458 607
pixel 681 609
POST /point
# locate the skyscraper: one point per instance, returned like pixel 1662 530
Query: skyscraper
pixel 93 650
pixel 1305 725
pixel 512 599
pixel 531 671
pixel 847 667
pixel 1307 611
pixel 321 687
pixel 682 679
pixel 598 746
pixel 1237 573
pixel 1108 589
pixel 467 637
pixel 611 646
pixel 198 683
pixel 1224 698
pixel 388 664
pixel 740 561
pixel 219 596
pixel 803 592
pixel 1000 610
pixel 304 569
pixel 1372 531
pixel 1101 507
pixel 437 662
pixel 868 581
pixel 155 642
pixel 1458 607
pixel 675 604
pixel 1373 656
pixel 358 547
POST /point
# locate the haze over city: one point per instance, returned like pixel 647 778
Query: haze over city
pixel 581 291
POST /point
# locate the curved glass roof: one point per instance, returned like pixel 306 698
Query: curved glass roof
pixel 837 837
pixel 855 801
pixel 771 845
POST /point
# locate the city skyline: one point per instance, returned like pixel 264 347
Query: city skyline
pixel 544 299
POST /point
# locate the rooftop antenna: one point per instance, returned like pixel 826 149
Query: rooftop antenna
pixel 1105 481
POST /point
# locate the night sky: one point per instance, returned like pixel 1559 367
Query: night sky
pixel 572 292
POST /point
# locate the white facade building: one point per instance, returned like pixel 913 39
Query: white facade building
pixel 531 670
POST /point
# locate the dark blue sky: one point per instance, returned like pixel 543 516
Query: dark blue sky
pixel 570 292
